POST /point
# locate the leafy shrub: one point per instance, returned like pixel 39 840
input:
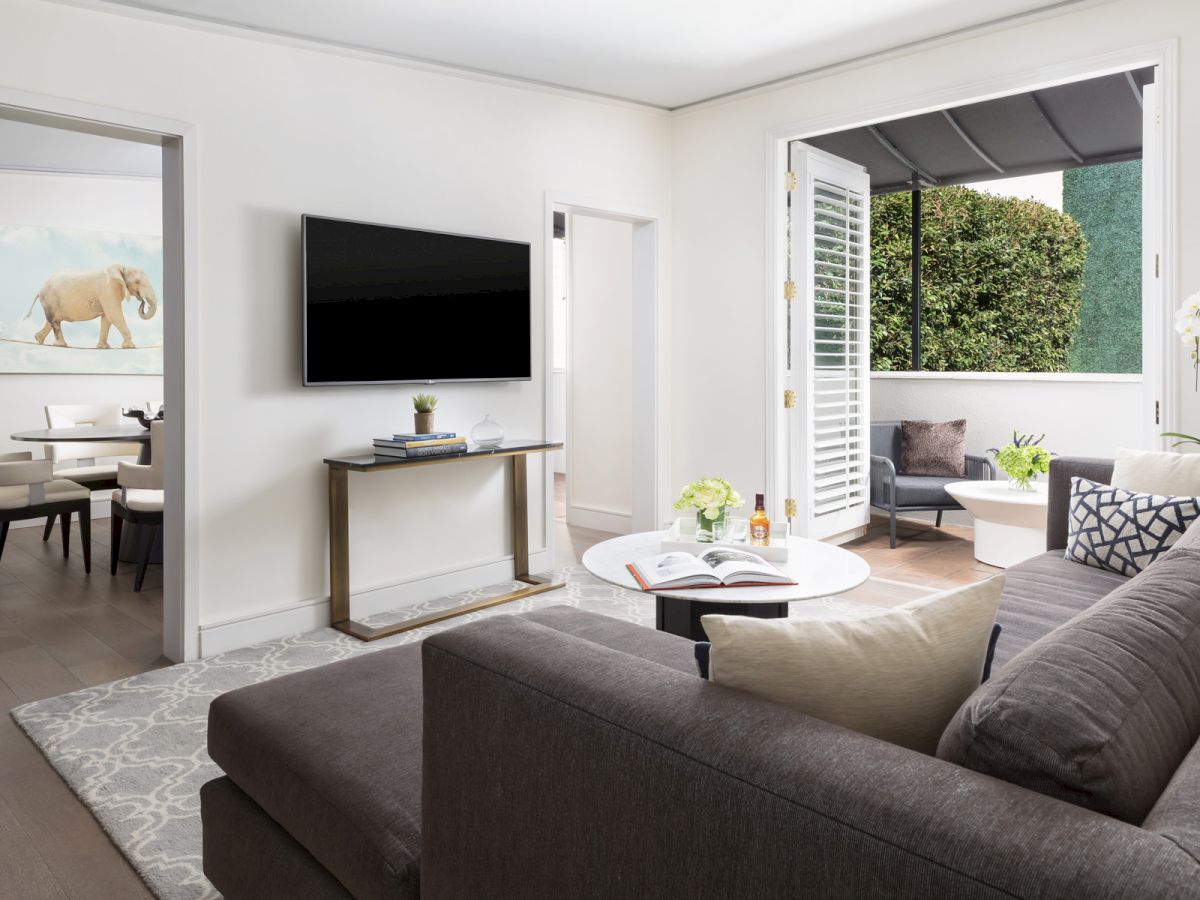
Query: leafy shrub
pixel 1002 283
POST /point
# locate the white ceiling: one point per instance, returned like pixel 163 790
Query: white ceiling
pixel 667 53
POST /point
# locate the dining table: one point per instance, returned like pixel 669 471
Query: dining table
pixel 105 434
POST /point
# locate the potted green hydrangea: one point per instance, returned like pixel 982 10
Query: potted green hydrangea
pixel 712 498
pixel 1022 459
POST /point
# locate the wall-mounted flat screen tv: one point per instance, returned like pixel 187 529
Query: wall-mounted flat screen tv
pixel 385 305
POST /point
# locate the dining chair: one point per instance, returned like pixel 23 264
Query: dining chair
pixel 139 501
pixel 29 490
pixel 78 461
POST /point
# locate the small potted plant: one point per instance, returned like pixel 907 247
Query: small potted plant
pixel 424 404
pixel 1022 460
pixel 712 498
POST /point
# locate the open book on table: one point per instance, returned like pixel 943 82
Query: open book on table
pixel 718 567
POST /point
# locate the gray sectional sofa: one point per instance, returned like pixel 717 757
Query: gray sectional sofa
pixel 561 754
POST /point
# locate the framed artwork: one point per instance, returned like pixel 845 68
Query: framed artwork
pixel 74 301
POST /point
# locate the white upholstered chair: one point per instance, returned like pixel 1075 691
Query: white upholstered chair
pixel 29 490
pixel 93 465
pixel 138 500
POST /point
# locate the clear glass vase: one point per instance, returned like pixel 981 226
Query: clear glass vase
pixel 1020 484
pixel 704 525
pixel 487 433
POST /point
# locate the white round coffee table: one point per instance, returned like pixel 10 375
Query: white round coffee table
pixel 818 569
pixel 1010 525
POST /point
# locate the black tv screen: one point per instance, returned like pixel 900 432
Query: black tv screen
pixel 384 304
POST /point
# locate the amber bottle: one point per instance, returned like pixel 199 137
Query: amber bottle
pixel 760 525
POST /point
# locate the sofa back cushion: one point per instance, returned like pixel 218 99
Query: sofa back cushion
pixel 1101 711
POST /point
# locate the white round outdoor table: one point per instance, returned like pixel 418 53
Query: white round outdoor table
pixel 1010 525
pixel 818 569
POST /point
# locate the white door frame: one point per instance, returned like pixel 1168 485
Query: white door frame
pixel 1161 382
pixel 649 342
pixel 181 338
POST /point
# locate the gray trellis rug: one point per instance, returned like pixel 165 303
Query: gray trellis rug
pixel 134 750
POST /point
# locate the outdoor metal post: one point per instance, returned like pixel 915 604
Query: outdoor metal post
pixel 916 276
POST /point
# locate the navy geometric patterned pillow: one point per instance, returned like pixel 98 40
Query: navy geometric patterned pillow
pixel 1124 531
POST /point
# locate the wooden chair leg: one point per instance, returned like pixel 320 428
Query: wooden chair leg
pixel 85 536
pixel 146 535
pixel 938 523
pixel 3 536
pixel 65 518
pixel 114 543
pixel 49 527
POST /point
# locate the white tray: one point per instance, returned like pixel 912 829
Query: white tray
pixel 684 538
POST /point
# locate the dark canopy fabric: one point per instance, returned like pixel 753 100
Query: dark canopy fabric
pixel 1084 123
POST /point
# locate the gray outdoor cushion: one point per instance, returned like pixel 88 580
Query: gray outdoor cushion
pixel 1102 711
pixel 923 490
pixel 1042 593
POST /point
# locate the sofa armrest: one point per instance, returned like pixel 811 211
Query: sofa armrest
pixel 1062 470
pixel 980 468
pixel 883 482
pixel 555 767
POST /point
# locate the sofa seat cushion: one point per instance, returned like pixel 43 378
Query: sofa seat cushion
pixel 1042 593
pixel 333 754
pixel 1103 710
pixel 924 490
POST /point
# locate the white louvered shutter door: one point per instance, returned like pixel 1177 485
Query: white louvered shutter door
pixel 829 262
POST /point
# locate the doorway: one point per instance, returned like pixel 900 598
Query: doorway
pixel 179 317
pixel 914 365
pixel 604 383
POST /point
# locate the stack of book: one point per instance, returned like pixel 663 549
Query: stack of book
pixel 410 446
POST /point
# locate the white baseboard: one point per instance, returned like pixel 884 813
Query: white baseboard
pixel 600 520
pixel 309 615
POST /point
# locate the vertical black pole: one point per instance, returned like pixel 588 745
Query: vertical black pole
pixel 916 277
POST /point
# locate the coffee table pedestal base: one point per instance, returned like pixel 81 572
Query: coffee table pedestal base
pixel 682 617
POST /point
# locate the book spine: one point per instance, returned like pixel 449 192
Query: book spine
pixel 413 452
pixel 433 436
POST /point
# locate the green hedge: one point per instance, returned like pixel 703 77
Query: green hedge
pixel 1002 283
pixel 1107 202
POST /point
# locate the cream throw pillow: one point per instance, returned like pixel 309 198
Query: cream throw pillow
pixel 1166 474
pixel 899 676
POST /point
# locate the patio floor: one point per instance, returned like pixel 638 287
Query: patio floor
pixel 933 557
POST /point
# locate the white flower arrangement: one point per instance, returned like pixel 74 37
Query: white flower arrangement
pixel 710 496
pixel 1187 324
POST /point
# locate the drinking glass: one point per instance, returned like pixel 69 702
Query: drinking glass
pixel 738 530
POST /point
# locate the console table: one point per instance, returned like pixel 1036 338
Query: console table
pixel 339 532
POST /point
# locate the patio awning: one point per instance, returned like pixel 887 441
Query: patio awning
pixel 1085 123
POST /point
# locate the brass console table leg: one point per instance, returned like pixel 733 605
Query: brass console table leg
pixel 339 561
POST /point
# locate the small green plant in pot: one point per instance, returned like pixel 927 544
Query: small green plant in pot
pixel 1022 460
pixel 424 404
pixel 712 498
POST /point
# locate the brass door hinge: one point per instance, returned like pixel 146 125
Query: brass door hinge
pixel 790 182
pixel 789 508
pixel 789 290
pixel 1156 265
pixel 1157 420
pixel 789 399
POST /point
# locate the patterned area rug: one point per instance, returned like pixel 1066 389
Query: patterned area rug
pixel 134 750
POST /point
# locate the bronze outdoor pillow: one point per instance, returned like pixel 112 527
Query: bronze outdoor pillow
pixel 933 448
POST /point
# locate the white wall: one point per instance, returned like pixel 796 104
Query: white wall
pixel 558 418
pixel 719 207
pixel 283 129
pixel 132 205
pixel 600 377
pixel 1079 418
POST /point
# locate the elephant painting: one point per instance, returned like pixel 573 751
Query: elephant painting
pixel 82 296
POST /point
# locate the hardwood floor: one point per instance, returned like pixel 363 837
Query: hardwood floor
pixel 927 556
pixel 61 630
